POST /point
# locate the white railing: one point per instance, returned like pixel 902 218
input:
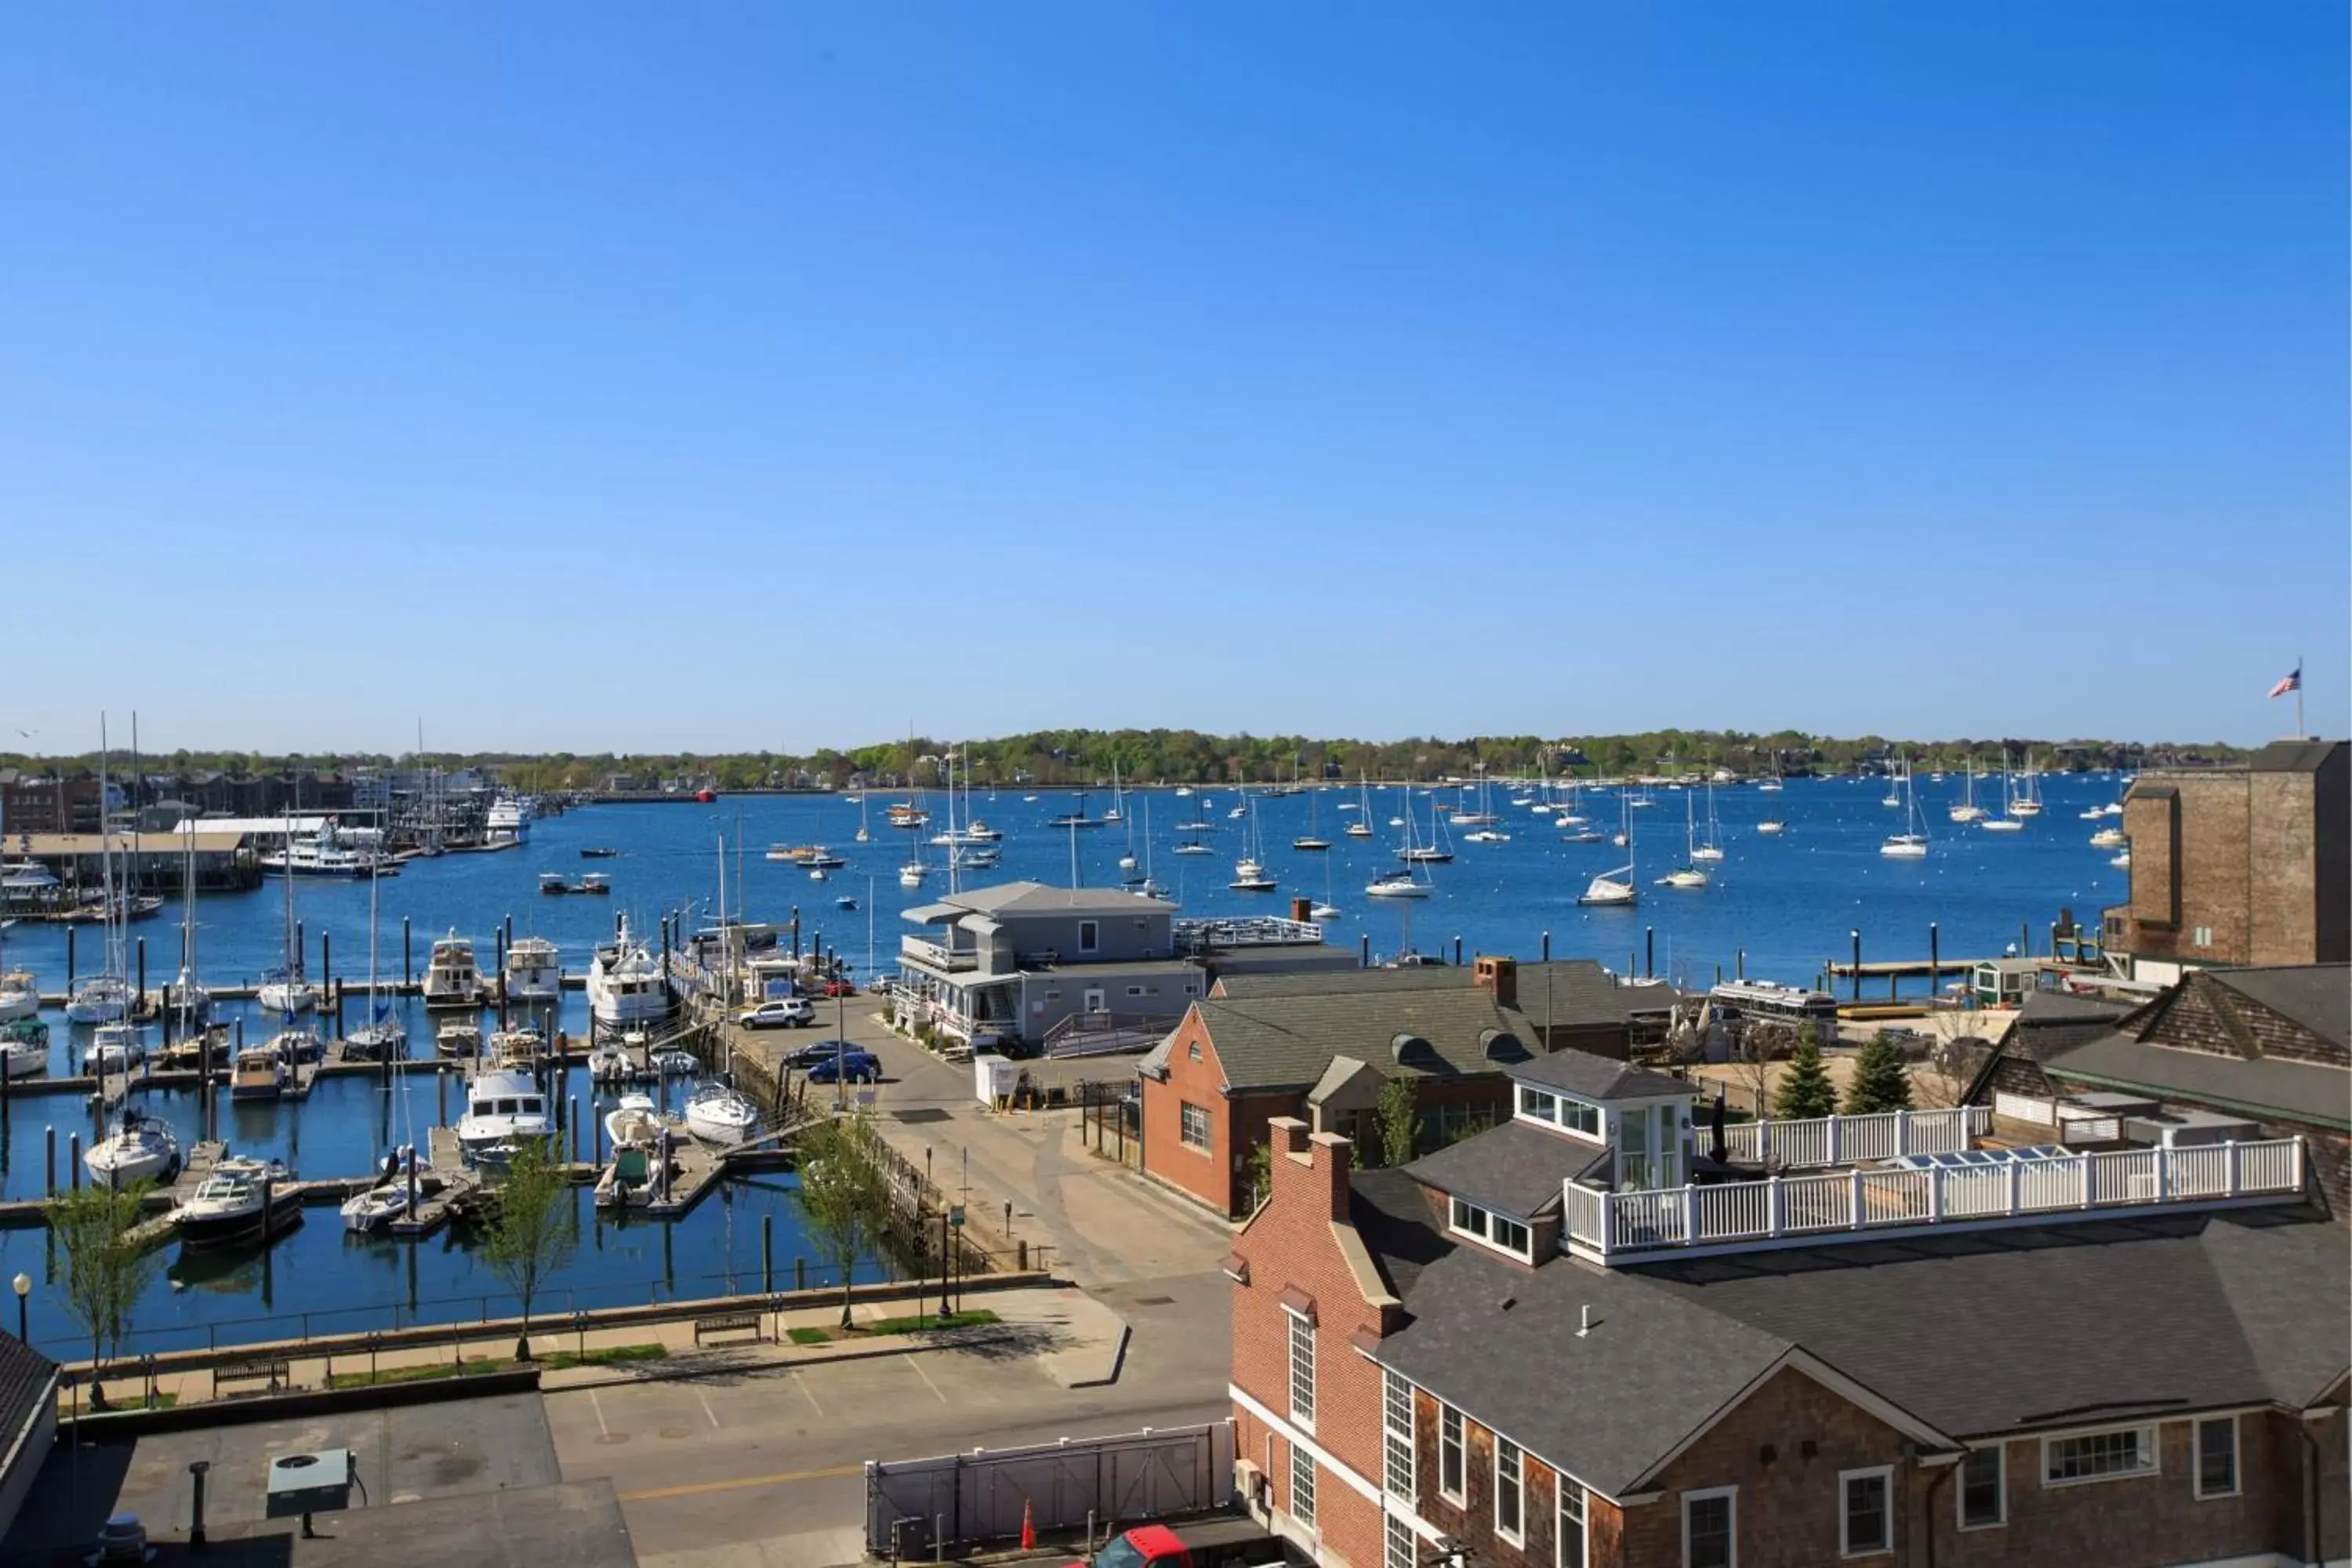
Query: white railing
pixel 937 955
pixel 1844 1139
pixel 1610 1225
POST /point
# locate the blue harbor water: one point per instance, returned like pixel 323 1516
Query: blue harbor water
pixel 1785 902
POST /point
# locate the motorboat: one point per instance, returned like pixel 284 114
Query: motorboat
pixel 598 853
pixel 507 823
pixel 141 1149
pixel 718 1114
pixel 675 1064
pixel 370 1211
pixel 906 814
pixel 234 1201
pixel 1684 877
pixel 2002 825
pixel 451 979
pixel 115 1047
pixel 1358 829
pixel 258 1073
pixel 1486 836
pixel 626 987
pixel 2108 839
pixel 1583 836
pixel 613 1064
pixel 515 1047
pixel 845 902
pixel 324 854
pixel 794 854
pixel 505 1106
pixel 24 1047
pixel 1249 877
pixel 100 999
pixel 635 1121
pixel 20 995
pixel 2122 862
pixel 458 1039
pixel 1771 825
pixel 533 971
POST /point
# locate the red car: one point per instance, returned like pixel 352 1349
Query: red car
pixel 834 988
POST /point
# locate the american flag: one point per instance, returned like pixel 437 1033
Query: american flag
pixel 2294 682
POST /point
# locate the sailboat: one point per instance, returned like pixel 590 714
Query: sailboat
pixel 1118 812
pixel 1485 816
pixel 1711 847
pixel 105 997
pixel 1249 871
pixel 1616 888
pixel 2011 820
pixel 1326 909
pixel 1968 810
pixel 864 832
pixel 1362 827
pixel 1771 785
pixel 190 1003
pixel 381 1038
pixel 284 989
pixel 2027 800
pixel 1314 839
pixel 1437 851
pixel 1912 842
pixel 1687 874
pixel 1893 795
pixel 1409 881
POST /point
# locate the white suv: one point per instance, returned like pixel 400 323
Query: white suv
pixel 782 1012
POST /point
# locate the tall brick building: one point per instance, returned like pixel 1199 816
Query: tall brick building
pixel 2159 1377
pixel 2249 865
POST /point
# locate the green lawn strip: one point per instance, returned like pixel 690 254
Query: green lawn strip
pixel 475 1366
pixel 809 1336
pixel 929 1321
pixel 607 1356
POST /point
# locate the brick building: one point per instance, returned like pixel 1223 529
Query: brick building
pixel 2136 1383
pixel 49 802
pixel 1320 1047
pixel 2247 865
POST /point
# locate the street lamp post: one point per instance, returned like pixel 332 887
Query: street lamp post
pixel 23 1286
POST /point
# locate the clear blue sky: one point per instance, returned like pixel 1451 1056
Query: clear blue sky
pixel 615 376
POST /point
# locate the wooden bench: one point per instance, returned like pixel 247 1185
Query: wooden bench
pixel 279 1373
pixel 729 1323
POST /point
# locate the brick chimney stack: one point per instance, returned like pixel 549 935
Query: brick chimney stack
pixel 1499 976
pixel 1334 1157
pixel 1302 910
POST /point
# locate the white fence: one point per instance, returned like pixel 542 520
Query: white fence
pixel 1842 1140
pixel 947 1505
pixel 1607 1225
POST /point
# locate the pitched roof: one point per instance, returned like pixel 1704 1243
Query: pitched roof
pixel 1588 1076
pixel 1517 1168
pixel 1037 898
pixel 1288 1041
pixel 2066 1008
pixel 1344 982
pixel 1393 1219
pixel 2303 1091
pixel 26 1379
pixel 1972 1333
pixel 2296 756
pixel 2316 995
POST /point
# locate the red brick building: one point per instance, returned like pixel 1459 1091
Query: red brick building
pixel 1410 1381
pixel 1320 1047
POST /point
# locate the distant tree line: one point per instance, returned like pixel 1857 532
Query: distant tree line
pixel 1088 757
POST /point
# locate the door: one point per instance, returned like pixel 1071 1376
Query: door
pixel 1093 1001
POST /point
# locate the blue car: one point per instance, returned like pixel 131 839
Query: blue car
pixel 858 1067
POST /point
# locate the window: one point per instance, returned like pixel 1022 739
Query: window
pixel 1090 936
pixel 1403 1551
pixel 1710 1526
pixel 1507 1234
pixel 1865 1523
pixel 1302 1370
pixel 1579 1117
pixel 1535 1102
pixel 1396 1435
pixel 1302 1486
pixel 1470 1220
pixel 1510 1470
pixel 2217 1456
pixel 1134 991
pixel 1984 1492
pixel 2098 1456
pixel 1634 1151
pixel 1195 1050
pixel 2200 936
pixel 1192 1125
pixel 1568 1539
pixel 1449 1453
pixel 1510 1235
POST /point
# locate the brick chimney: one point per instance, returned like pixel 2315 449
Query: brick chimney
pixel 1301 910
pixel 1334 1156
pixel 1499 976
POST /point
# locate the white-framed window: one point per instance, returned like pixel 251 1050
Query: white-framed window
pixel 1866 1511
pixel 1711 1528
pixel 2115 1455
pixel 1449 1453
pixel 1403 1551
pixel 1090 936
pixel 1984 1489
pixel 1195 1050
pixel 2200 936
pixel 1513 1238
pixel 1569 1541
pixel 1192 1125
pixel 1302 1370
pixel 2217 1456
pixel 1539 1105
pixel 1510 1489
pixel 1579 1117
pixel 1302 1486
pixel 1396 1435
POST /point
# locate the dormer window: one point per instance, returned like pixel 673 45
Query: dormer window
pixel 1495 1229
pixel 1558 1110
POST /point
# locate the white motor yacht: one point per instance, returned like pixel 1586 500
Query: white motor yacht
pixel 141 1149
pixel 2107 838
pixel 258 1073
pixel 1771 825
pixel 20 995
pixel 1249 877
pixel 718 1114
pixel 626 988
pixel 230 1203
pixel 24 1047
pixel 452 979
pixel 504 1107
pixel 457 1039
pixel 534 971
pixel 115 1047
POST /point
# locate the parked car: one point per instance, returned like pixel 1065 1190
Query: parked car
pixel 779 1013
pixel 839 988
pixel 853 1065
pixel 816 1051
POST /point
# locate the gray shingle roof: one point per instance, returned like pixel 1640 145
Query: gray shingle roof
pixel 2065 1007
pixel 1037 898
pixel 2293 756
pixel 2302 1090
pixel 2316 995
pixel 1288 1041
pixel 1589 1076
pixel 1517 1168
pixel 1392 1217
pixel 1342 981
pixel 1563 992
pixel 26 1378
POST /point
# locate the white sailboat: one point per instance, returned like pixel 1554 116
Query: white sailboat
pixel 1438 851
pixel 2010 820
pixel 1313 838
pixel 191 1004
pixel 1616 888
pixel 1687 875
pixel 1711 847
pixel 1362 827
pixel 1249 872
pixel 1912 842
pixel 285 989
pixel 1409 881
pixel 105 997
pixel 2027 800
pixel 1484 816
pixel 1968 810
pixel 381 1038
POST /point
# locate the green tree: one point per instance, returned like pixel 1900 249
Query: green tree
pixel 844 1192
pixel 1261 1174
pixel 1879 1082
pixel 536 1229
pixel 1805 1088
pixel 107 1269
pixel 1397 1115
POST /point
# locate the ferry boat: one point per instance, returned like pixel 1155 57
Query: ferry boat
pixel 626 987
pixel 451 979
pixel 533 971
pixel 325 854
